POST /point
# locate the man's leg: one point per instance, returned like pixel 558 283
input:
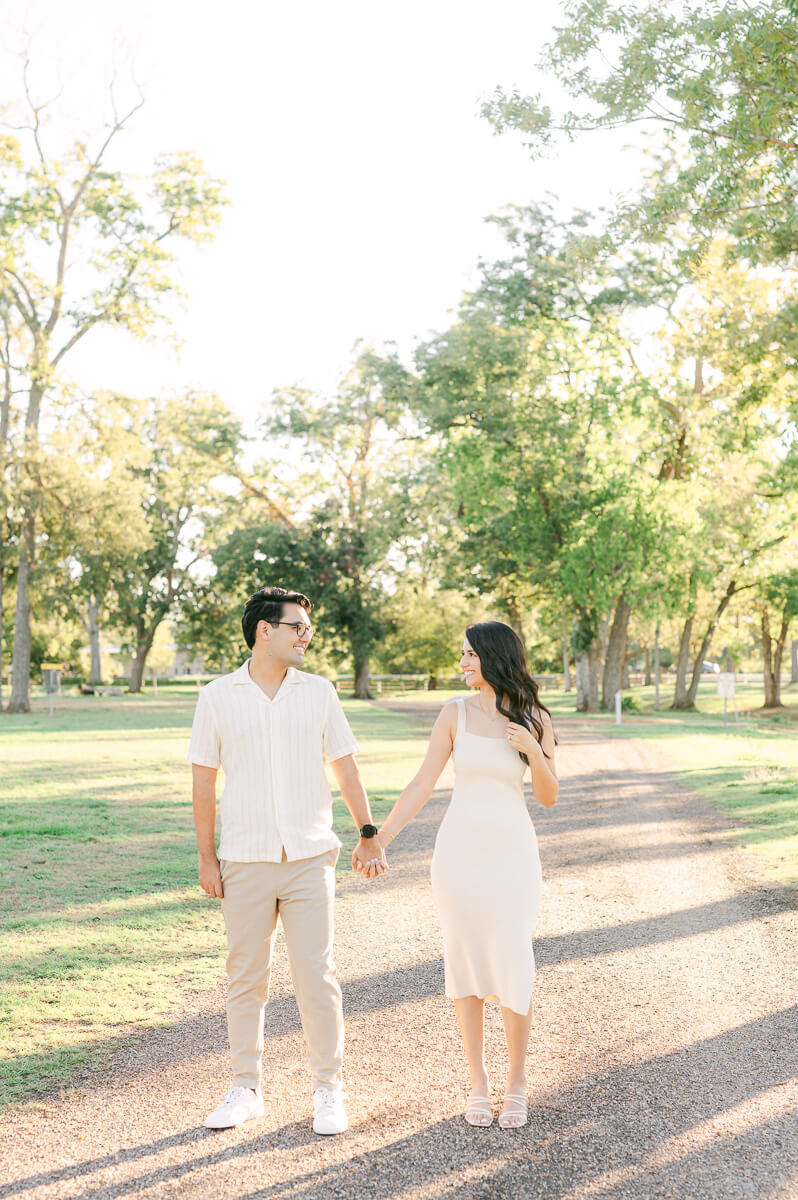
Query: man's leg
pixel 306 911
pixel 250 917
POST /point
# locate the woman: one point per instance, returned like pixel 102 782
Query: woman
pixel 485 869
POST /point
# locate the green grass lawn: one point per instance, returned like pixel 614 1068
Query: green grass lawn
pixel 104 926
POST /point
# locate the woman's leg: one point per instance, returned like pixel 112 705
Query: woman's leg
pixel 516 1031
pixel 471 1019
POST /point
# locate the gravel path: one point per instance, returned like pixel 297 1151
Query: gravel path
pixel 662 1064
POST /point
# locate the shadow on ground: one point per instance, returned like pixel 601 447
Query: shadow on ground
pixel 611 1126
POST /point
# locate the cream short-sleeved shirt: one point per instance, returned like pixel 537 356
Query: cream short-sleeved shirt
pixel 276 791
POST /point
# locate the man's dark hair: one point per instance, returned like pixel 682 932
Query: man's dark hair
pixel 267 605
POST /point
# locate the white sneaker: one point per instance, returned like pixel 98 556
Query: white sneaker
pixel 329 1112
pixel 239 1105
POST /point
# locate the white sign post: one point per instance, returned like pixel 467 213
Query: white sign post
pixel 617 708
pixel 726 689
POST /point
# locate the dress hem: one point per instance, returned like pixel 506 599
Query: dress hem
pixel 491 996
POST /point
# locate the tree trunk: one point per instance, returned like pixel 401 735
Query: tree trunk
pixel 703 649
pixel 2 639
pixel 771 681
pixel 566 663
pixel 781 643
pixel 794 672
pixel 93 629
pixel 603 635
pixel 656 668
pixel 681 697
pixel 586 669
pixel 647 665
pixel 772 657
pixel 514 616
pixel 5 421
pixel 143 647
pixel 362 678
pixel 586 661
pixel 612 679
pixel 20 668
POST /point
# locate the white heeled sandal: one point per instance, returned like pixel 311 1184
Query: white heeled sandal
pixel 517 1116
pixel 478 1111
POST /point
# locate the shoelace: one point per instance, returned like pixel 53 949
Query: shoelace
pixel 329 1099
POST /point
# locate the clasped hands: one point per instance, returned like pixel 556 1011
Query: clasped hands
pixel 368 858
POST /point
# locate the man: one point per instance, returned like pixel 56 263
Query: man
pixel 270 727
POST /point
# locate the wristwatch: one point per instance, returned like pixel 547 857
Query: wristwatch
pixel 368 831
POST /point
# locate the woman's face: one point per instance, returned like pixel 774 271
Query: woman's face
pixel 469 665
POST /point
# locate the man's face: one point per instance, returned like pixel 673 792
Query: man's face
pixel 285 645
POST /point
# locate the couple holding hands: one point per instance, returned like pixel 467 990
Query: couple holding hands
pixel 271 726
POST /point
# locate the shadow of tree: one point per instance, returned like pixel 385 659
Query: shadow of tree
pixel 607 1122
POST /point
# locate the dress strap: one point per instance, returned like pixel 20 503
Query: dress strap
pixel 461 717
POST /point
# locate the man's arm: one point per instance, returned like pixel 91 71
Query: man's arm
pixel 204 800
pixel 348 779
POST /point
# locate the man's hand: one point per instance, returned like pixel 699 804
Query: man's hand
pixel 368 857
pixel 210 877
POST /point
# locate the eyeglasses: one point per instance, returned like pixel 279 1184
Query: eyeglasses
pixel 302 628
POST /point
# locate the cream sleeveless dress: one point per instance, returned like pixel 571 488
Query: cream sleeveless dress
pixel 486 877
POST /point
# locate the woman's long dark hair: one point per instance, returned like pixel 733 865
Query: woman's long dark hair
pixel 502 661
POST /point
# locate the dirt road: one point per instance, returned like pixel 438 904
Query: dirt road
pixel 663 1061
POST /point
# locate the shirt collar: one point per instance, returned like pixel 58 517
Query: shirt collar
pixel 242 675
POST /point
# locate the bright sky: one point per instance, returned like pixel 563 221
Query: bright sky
pixel 359 169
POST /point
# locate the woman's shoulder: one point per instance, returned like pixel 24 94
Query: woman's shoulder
pixel 448 710
pixel 541 716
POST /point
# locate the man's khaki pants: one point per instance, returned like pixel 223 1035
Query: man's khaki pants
pixel 301 893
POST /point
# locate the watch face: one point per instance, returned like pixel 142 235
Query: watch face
pixel 368 831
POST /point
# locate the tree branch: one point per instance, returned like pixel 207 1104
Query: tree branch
pixel 29 316
pixel 69 212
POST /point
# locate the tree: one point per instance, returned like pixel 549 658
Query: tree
pixel 718 82
pixel 182 505
pixel 55 211
pixel 543 419
pixel 774 605
pixel 91 521
pixel 426 633
pixel 357 496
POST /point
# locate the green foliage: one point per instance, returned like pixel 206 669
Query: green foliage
pixel 718 82
pixel 426 633
pixel 81 246
pixel 543 428
pixel 181 507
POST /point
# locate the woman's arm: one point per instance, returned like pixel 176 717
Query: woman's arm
pixel 542 768
pixel 418 791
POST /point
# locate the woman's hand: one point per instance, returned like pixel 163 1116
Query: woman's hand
pixel 378 863
pixel 523 740
pixel 368 857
